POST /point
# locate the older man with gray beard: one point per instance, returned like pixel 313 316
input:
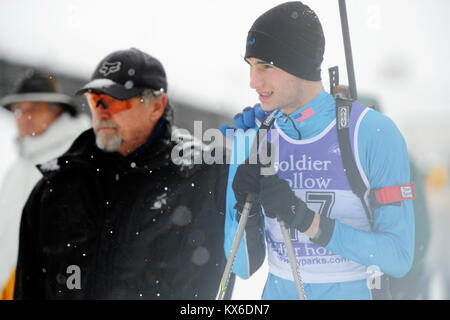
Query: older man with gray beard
pixel 114 217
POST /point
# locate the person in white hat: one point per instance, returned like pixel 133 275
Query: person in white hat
pixel 47 123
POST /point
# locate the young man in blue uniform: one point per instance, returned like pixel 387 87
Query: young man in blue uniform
pixel 337 247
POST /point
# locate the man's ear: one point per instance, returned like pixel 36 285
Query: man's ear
pixel 159 105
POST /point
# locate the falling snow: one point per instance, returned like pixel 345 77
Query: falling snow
pixel 182 216
pixel 160 201
pixel 129 84
pixel 101 83
pixel 200 256
pixel 51 165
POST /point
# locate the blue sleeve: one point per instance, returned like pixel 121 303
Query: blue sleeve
pixel 390 245
pixel 251 252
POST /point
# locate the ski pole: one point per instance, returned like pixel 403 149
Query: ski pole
pixel 234 248
pixel 262 132
pixel 348 49
pixel 292 261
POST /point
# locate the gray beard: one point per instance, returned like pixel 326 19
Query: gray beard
pixel 109 145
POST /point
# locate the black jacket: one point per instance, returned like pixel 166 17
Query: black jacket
pixel 138 227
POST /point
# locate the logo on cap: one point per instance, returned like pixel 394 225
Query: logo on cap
pixel 110 67
pixel 251 42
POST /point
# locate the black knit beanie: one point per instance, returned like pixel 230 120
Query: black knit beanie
pixel 290 37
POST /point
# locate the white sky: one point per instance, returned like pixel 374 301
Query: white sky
pixel 401 52
pixel 400 48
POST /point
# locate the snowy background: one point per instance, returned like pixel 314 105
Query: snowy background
pixel 401 55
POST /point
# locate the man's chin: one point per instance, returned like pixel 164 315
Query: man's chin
pixel 108 143
pixel 265 106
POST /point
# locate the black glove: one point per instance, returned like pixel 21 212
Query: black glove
pixel 278 199
pixel 247 181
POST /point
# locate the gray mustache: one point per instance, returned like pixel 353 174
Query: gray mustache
pixel 105 124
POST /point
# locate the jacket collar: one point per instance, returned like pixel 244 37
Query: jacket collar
pixel 84 152
pixel 322 111
pixel 65 128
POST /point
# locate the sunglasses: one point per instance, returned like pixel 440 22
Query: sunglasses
pixel 97 100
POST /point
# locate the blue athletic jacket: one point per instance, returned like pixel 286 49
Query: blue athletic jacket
pixel 389 246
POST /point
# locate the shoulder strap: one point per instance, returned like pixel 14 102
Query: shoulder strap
pixel 343 111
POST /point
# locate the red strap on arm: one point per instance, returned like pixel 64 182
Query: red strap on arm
pixel 396 193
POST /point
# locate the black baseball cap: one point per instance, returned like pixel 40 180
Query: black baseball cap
pixel 124 74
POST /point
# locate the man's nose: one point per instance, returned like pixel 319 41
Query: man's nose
pixel 102 104
pixel 256 80
pixel 101 113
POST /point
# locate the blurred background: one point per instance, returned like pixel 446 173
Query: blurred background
pixel 400 52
